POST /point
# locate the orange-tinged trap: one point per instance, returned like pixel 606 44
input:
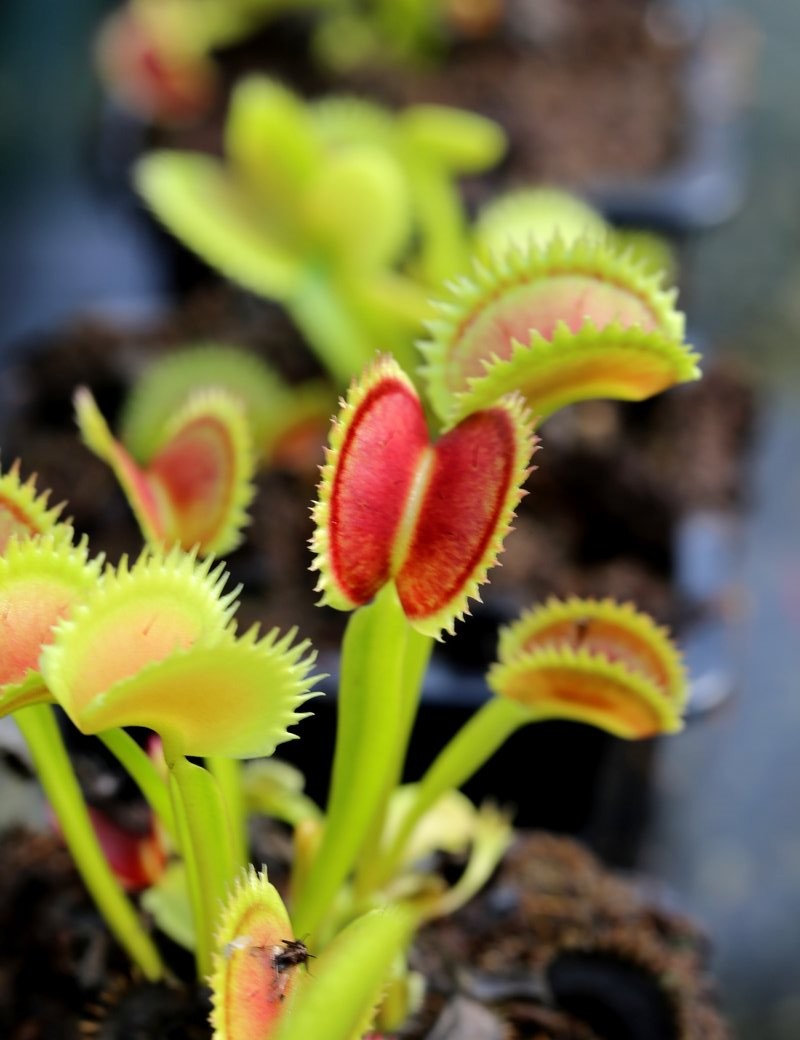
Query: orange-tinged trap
pixel 593 661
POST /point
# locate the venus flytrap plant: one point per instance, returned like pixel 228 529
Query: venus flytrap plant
pixel 194 487
pixel 156 56
pixel 194 429
pixel 406 531
pixel 318 229
pixel 152 68
pixel 596 661
pixel 259 991
pixel 586 660
pixel 377 525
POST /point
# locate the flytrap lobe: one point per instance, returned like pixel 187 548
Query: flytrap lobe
pixel 560 324
pixel 593 661
pixel 394 507
pixel 23 512
pixel 154 645
pixel 195 487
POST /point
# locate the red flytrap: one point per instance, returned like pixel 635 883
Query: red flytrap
pixel 430 517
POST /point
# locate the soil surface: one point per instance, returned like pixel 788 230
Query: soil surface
pixel 556 949
pixel 586 91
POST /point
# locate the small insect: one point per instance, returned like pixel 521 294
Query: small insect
pixel 289 953
pixel 581 630
pixel 282 957
pixel 286 955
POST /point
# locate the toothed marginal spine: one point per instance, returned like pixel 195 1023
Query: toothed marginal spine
pixel 501 375
pixel 23 496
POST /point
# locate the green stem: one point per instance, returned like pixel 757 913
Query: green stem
pixel 370 711
pixel 190 865
pixel 142 770
pixel 470 748
pixel 417 657
pixel 415 663
pixel 329 327
pixel 206 845
pixel 443 246
pixel 228 774
pixel 53 767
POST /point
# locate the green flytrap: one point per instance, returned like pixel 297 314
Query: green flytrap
pixel 318 228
